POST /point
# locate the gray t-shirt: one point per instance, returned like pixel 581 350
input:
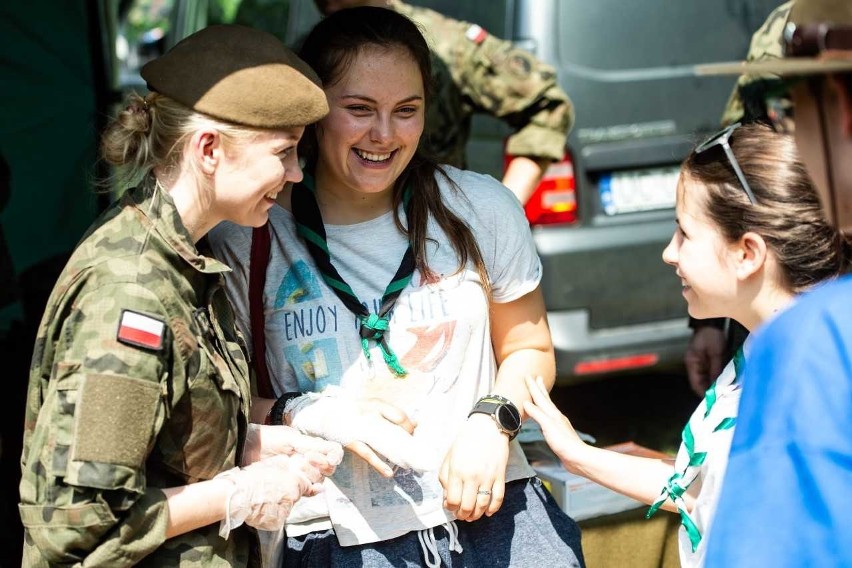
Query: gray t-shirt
pixel 440 331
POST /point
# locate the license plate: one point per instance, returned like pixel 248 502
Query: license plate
pixel 639 190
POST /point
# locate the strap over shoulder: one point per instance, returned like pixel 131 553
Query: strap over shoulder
pixel 260 248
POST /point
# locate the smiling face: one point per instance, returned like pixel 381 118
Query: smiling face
pixel 701 256
pixel 250 174
pixel 376 117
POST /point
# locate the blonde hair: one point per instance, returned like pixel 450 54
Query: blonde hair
pixel 152 131
pixel 787 214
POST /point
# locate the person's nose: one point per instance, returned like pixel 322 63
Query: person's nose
pixel 382 129
pixel 293 171
pixel 670 252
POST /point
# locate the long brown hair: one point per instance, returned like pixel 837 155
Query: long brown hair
pixel 330 48
pixel 787 213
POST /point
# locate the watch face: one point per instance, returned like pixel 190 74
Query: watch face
pixel 508 417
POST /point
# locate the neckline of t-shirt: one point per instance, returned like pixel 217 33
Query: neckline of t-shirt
pixel 381 219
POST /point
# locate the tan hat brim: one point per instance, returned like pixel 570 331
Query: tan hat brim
pixel 793 66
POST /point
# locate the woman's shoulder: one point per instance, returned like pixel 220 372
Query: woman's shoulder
pixel 226 233
pixel 122 254
pixel 230 236
pixel 481 190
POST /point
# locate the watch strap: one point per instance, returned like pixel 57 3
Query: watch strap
pixel 491 405
pixel 275 417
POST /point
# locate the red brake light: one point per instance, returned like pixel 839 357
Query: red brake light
pixel 616 364
pixel 554 201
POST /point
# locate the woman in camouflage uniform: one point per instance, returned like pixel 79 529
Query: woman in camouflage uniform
pixel 138 406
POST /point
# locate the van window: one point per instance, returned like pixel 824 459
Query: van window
pixel 641 63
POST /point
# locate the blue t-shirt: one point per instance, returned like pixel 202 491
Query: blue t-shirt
pixel 787 495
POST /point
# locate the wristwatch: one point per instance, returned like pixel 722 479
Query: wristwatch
pixel 275 416
pixel 502 410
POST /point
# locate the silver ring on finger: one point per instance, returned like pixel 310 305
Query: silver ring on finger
pixel 485 492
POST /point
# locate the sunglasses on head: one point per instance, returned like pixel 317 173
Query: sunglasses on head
pixel 720 139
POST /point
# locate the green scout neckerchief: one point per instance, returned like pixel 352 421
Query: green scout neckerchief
pixel 680 480
pixel 310 227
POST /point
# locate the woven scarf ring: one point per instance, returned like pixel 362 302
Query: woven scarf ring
pixel 680 481
pixel 372 327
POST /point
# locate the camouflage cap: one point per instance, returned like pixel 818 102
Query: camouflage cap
pixel 240 75
pixel 804 13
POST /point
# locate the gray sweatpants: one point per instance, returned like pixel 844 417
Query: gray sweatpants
pixel 529 531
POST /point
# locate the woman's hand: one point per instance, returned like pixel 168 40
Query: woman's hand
pixel 368 427
pixel 474 472
pixel 396 423
pixel 267 441
pixel 557 429
pixel 263 493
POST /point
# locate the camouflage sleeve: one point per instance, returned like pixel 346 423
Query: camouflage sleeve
pixel 511 84
pixel 84 497
pixel 766 43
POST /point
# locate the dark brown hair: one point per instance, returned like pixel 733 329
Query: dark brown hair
pixel 330 48
pixel 787 214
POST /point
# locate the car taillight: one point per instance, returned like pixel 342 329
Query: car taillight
pixel 554 201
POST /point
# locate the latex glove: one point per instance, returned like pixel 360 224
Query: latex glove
pixel 704 357
pixel 266 441
pixel 354 422
pixel 264 492
pixel 558 432
pixel 476 462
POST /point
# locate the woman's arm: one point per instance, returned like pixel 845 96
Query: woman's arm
pixel 522 346
pixel 639 478
pixel 477 460
pixel 194 506
pixel 261 495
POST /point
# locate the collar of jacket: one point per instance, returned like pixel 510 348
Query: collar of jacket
pixel 157 210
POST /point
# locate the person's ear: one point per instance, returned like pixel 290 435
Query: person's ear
pixel 751 253
pixel 205 147
pixel 841 86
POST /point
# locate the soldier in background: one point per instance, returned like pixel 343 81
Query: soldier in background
pixel 476 72
pixel 754 97
pixel 748 101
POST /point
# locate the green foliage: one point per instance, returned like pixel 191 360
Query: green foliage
pixel 146 15
pixel 223 11
pixel 267 15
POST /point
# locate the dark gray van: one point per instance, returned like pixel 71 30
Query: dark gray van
pixel 603 215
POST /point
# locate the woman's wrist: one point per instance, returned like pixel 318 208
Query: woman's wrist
pixel 276 414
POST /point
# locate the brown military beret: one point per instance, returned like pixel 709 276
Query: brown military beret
pixel 240 75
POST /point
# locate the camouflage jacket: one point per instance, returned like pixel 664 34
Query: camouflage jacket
pixel 138 382
pixel 475 72
pixel 766 43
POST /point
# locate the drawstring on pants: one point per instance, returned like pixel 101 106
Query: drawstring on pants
pixel 429 545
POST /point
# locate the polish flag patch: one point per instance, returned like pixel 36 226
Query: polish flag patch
pixel 476 34
pixel 141 330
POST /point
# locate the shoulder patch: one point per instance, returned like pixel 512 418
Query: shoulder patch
pixel 476 34
pixel 140 330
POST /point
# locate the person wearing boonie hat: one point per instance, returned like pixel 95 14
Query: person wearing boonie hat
pixel 137 446
pixel 785 497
